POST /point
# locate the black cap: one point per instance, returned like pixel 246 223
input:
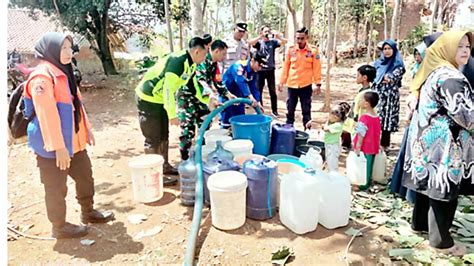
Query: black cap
pixel 241 26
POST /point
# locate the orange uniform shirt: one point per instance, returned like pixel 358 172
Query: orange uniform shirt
pixel 45 96
pixel 302 67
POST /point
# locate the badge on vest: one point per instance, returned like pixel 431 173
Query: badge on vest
pixel 184 77
pixel 39 90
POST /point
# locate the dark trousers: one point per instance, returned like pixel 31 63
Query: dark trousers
pixel 269 76
pixel 304 95
pixel 385 138
pixel 154 126
pixel 229 112
pixel 436 217
pixel 396 185
pixel 346 140
pixel 55 188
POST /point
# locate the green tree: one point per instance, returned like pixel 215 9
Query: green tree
pixel 180 15
pixel 87 17
pixel 354 11
pixel 273 14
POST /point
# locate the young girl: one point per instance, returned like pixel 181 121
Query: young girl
pixel 368 131
pixel 332 135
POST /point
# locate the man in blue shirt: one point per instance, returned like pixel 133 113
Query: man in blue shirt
pixel 267 42
pixel 241 80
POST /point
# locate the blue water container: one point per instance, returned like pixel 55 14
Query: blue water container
pixel 283 139
pixel 212 166
pixel 255 128
pixel 261 190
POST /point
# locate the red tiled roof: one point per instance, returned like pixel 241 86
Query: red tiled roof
pixel 24 31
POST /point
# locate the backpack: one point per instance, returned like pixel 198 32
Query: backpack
pixel 17 121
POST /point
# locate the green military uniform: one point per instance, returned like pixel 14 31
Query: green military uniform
pixel 155 96
pixel 193 100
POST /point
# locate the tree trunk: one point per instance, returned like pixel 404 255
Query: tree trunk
pixel 307 14
pixel 293 15
pixel 370 35
pixel 385 22
pixel 100 28
pixel 181 41
pixel 393 28
pixel 399 22
pixel 243 11
pixel 234 12
pixel 217 18
pixel 327 92
pixel 434 9
pixel 336 23
pixel 366 30
pixel 168 25
pixel 356 38
pixel 196 18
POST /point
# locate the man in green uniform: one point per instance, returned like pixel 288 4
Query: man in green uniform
pixel 201 91
pixel 156 102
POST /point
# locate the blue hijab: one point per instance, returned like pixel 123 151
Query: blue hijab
pixel 385 65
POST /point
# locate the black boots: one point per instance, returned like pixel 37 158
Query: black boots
pixel 68 230
pixel 95 216
pixel 163 149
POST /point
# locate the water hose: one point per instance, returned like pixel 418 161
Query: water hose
pixel 198 203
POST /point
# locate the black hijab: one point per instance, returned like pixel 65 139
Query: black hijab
pixel 48 48
pixel 468 70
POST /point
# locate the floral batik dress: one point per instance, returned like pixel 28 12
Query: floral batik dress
pixel 440 147
pixel 389 102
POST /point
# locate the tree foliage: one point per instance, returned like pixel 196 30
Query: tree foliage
pixel 87 17
pixel 273 14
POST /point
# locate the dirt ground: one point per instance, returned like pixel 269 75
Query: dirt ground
pixel 110 104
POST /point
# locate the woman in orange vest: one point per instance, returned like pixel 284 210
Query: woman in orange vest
pixel 58 135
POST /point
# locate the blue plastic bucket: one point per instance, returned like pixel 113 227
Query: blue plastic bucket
pixel 255 128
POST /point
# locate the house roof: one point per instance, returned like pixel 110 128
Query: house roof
pixel 24 30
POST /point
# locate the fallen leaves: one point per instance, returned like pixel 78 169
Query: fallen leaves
pixel 282 255
pixel 353 232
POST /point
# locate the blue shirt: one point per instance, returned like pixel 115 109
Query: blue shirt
pixel 241 80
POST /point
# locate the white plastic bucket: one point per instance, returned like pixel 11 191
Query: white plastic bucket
pixel 211 140
pixel 227 190
pixel 216 132
pixel 239 147
pixel 147 177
